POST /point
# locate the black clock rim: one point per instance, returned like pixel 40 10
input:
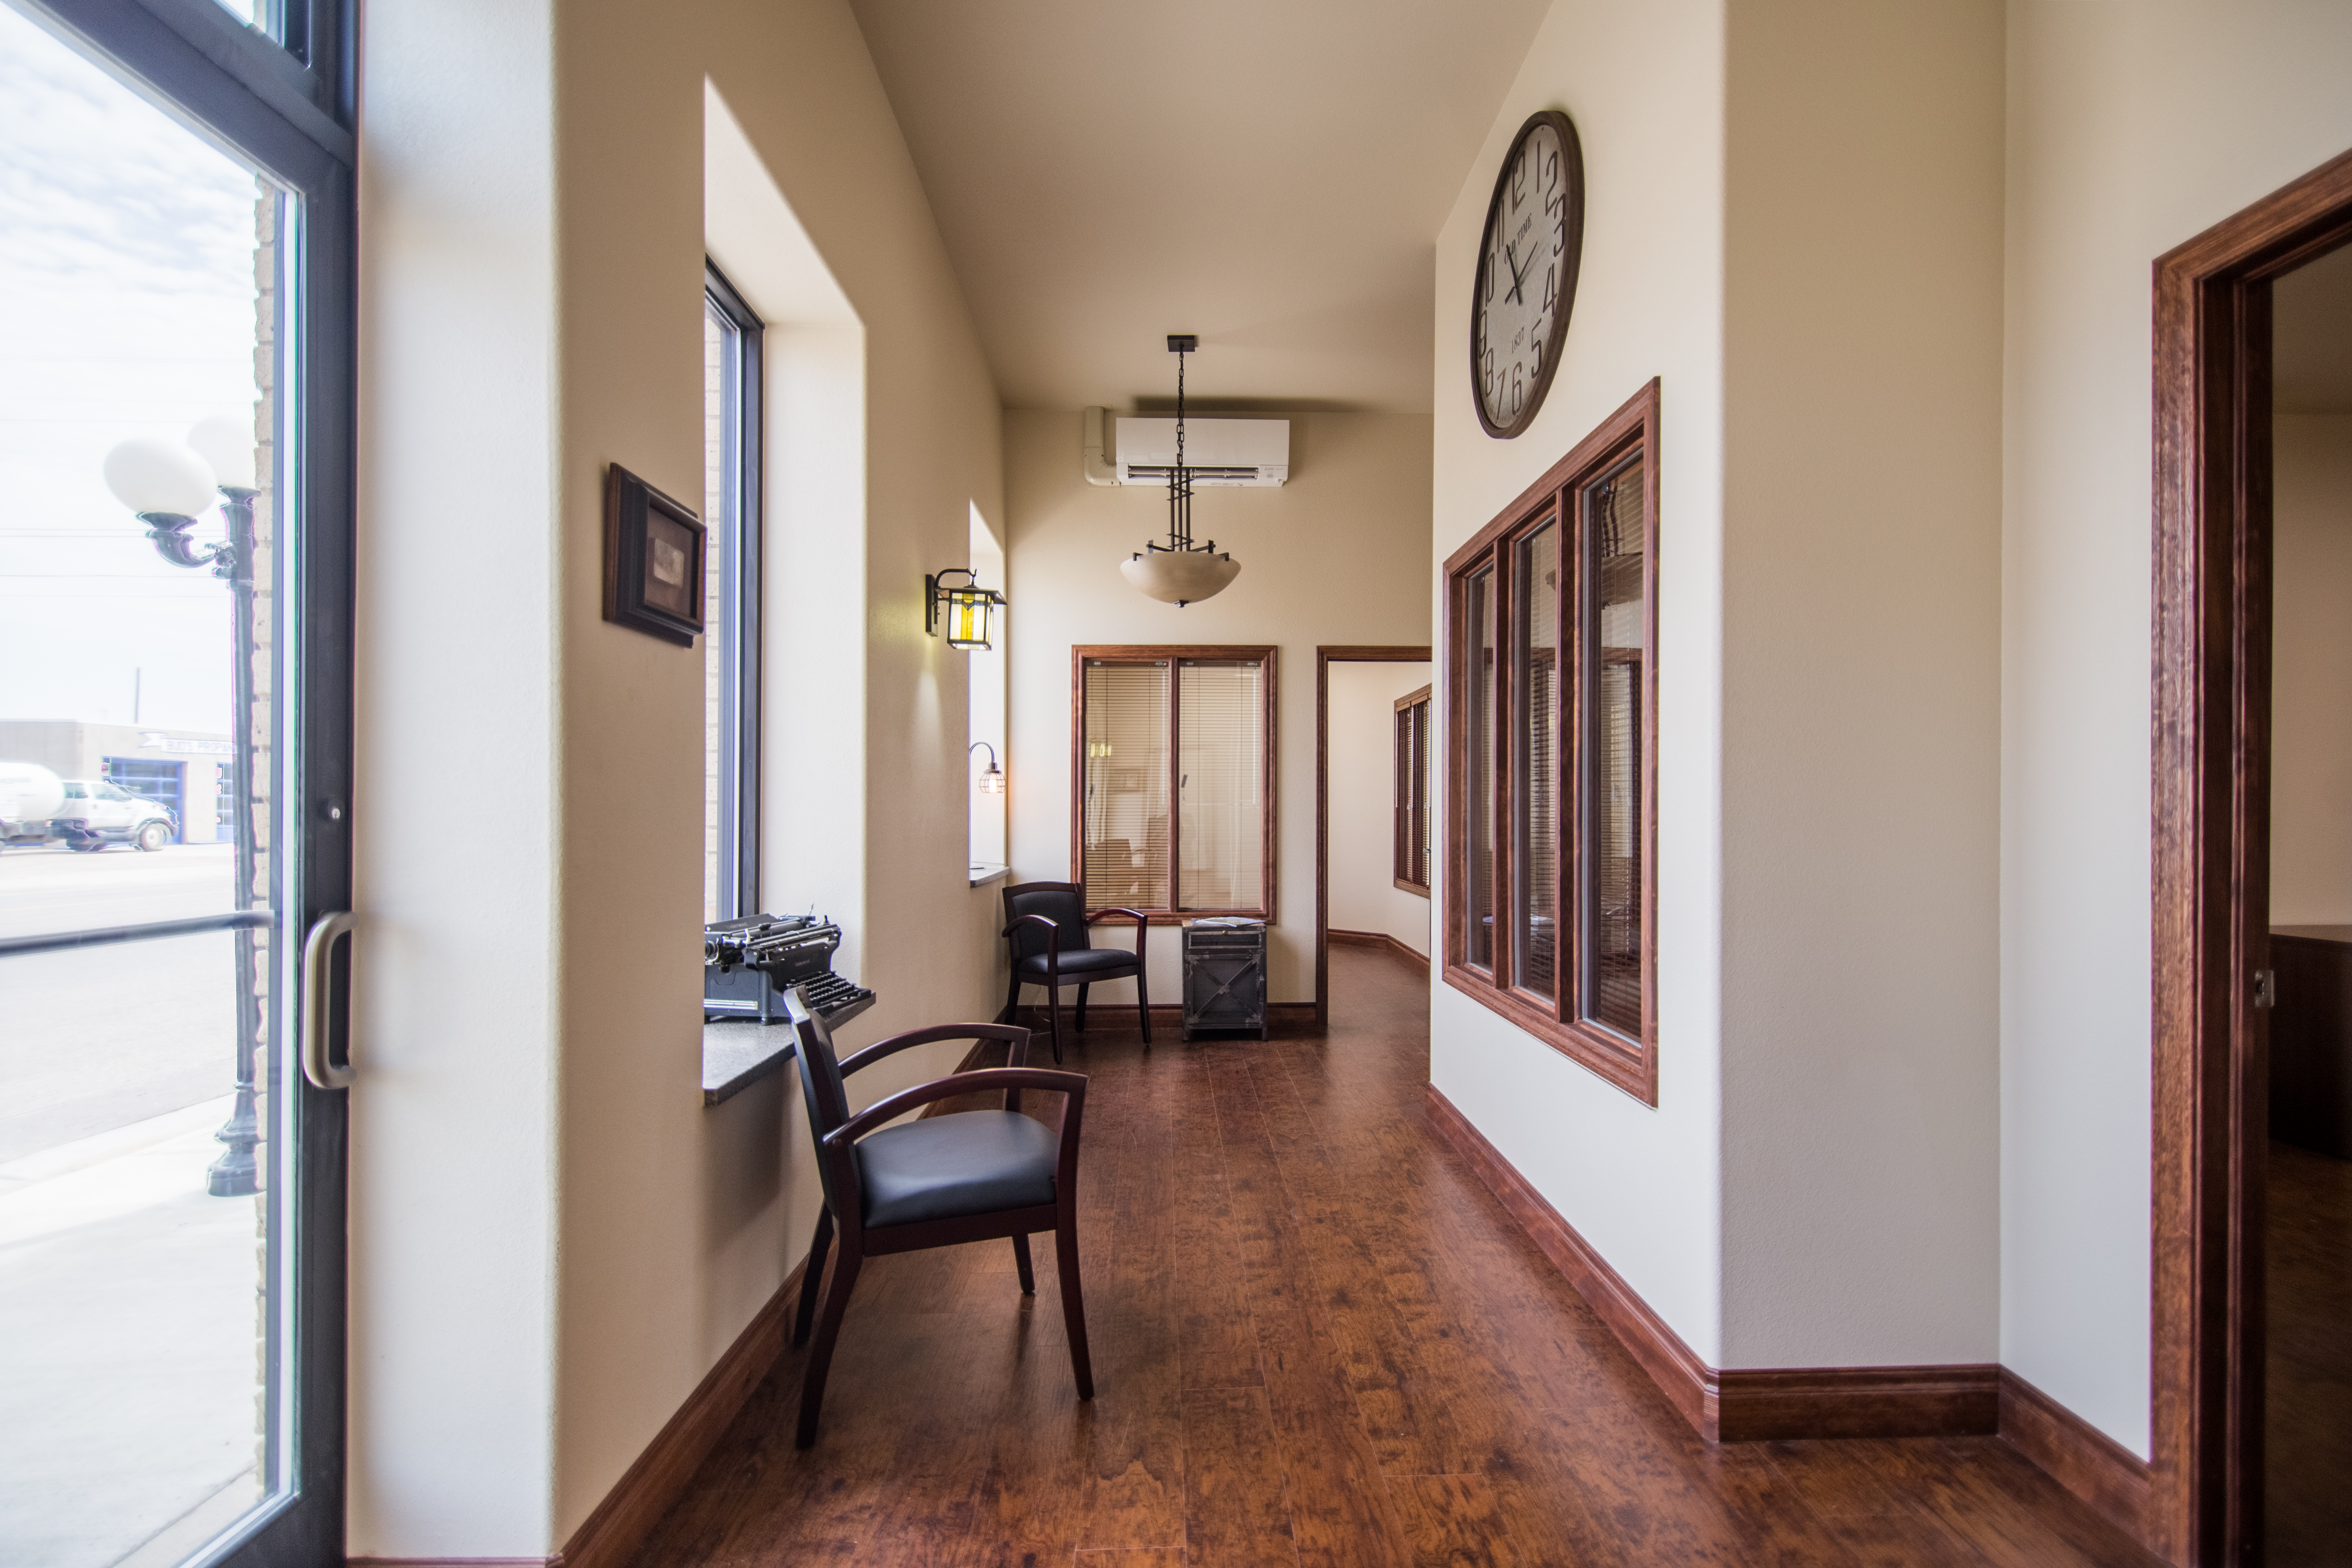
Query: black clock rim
pixel 1572 153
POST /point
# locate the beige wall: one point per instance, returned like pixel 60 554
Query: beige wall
pixel 1333 556
pixel 2311 678
pixel 1862 470
pixel 553 1239
pixel 1362 802
pixel 2131 128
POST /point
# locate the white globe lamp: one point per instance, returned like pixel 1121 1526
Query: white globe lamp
pixel 160 479
pixel 228 444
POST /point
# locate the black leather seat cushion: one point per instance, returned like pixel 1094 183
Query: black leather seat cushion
pixel 1083 963
pixel 974 1162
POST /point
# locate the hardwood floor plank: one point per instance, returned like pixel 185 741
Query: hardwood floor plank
pixel 1319 1341
pixel 1341 1513
pixel 1236 1510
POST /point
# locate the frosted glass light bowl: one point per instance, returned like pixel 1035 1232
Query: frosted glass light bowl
pixel 1179 576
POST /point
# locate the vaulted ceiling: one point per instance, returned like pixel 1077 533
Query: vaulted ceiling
pixel 1268 173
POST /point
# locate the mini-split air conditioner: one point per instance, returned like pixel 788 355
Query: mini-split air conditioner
pixel 1141 452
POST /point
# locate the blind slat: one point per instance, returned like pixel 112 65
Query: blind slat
pixel 1125 838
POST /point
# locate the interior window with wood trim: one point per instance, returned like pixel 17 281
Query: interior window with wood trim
pixel 1173 780
pixel 1551 756
pixel 1412 757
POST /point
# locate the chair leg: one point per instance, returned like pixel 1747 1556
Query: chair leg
pixel 1081 1008
pixel 1021 1257
pixel 1143 1007
pixel 1012 1001
pixel 820 1361
pixel 1054 1020
pixel 813 1276
pixel 1073 1303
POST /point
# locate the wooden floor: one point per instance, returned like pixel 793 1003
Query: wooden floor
pixel 2308 1429
pixel 1318 1340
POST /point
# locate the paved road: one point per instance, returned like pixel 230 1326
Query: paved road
pixel 95 1039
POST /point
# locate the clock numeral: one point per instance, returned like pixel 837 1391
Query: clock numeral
pixel 1551 287
pixel 1537 367
pixel 1519 180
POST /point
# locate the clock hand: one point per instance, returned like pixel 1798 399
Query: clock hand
pixel 1517 273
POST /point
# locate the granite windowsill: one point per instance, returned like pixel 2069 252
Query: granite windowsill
pixel 737 1053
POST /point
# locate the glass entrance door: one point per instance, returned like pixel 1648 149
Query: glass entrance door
pixel 175 724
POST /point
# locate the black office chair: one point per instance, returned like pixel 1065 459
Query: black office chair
pixel 1053 946
pixel 970 1175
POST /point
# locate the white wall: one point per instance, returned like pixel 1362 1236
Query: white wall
pixel 2130 129
pixel 1361 848
pixel 1333 556
pixel 2311 676
pixel 553 1239
pixel 1644 86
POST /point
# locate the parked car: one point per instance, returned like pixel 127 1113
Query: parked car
pixel 96 813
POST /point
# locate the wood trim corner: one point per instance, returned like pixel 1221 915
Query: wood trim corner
pixel 1741 1404
pixel 2102 1472
pixel 1385 943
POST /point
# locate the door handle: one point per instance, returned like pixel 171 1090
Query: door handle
pixel 316 948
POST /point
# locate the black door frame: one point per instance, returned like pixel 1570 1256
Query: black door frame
pixel 289 108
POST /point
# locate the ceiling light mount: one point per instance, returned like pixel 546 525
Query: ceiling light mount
pixel 1180 570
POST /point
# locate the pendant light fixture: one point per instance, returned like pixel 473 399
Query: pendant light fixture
pixel 1180 570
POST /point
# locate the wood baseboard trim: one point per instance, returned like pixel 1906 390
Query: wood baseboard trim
pixel 2115 1482
pixel 613 1531
pixel 1385 943
pixel 1285 1018
pixel 1743 1405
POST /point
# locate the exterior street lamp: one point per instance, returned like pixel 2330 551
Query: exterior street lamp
pixel 168 486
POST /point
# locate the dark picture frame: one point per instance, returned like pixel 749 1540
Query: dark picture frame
pixel 656 557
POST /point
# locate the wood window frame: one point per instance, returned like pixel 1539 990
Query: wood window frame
pixel 1624 1060
pixel 1265 656
pixel 1412 775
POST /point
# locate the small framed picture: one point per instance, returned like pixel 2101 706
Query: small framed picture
pixel 654 563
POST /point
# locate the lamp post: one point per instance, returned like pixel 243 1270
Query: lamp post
pixel 168 485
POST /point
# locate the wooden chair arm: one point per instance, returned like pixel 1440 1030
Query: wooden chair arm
pixel 1142 925
pixel 1053 934
pixel 1073 1084
pixel 1017 1037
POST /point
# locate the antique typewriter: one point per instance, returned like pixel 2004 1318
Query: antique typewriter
pixel 748 964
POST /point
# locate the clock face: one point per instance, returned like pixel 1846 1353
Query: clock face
pixel 1527 273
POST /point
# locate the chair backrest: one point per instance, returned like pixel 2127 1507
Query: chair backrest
pixel 828 1103
pixel 1063 904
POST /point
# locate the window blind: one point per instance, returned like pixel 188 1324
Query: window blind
pixel 1612 894
pixel 1220 773
pixel 1124 850
pixel 1536 748
pixel 1411 817
pixel 1479 774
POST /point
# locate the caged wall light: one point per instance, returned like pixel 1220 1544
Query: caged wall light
pixel 967 609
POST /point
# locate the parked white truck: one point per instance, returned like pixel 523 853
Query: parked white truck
pixel 85 814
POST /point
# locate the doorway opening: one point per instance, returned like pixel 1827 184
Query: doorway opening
pixel 2228 726
pixel 1365 791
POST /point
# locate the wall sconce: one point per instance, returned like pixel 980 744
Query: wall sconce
pixel 992 781
pixel 966 608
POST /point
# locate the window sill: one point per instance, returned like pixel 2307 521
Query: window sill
pixel 739 1052
pixel 984 872
pixel 1628 1065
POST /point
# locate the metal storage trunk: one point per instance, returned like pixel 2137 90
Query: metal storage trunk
pixel 1225 977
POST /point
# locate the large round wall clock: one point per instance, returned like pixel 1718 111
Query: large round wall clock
pixel 1527 273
